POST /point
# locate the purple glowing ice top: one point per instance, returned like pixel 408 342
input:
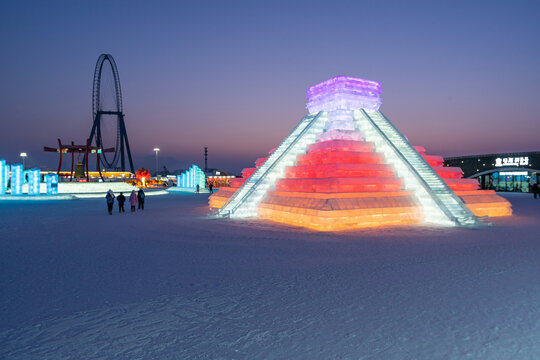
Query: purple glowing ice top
pixel 344 93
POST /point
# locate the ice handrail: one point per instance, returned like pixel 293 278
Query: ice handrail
pixel 468 214
pixel 223 211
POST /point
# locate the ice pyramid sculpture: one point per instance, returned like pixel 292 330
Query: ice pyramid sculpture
pixel 346 166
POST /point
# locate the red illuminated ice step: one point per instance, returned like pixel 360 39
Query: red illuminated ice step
pixel 433 160
pixel 331 204
pixel 341 145
pixel 339 170
pixel 333 185
pixel 237 182
pixel 351 157
pixel 446 172
pixel 247 172
pixel 260 161
pixel 462 184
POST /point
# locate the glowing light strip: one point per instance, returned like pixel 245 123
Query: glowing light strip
pixel 507 173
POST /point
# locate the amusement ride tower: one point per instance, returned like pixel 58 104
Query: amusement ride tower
pixel 111 117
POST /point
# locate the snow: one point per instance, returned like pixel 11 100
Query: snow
pixel 169 283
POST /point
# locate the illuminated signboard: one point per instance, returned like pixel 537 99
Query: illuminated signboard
pixel 512 161
pixel 514 173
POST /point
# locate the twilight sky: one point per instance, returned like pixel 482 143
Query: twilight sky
pixel 458 77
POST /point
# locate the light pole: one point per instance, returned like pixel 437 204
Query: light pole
pixel 23 155
pixel 156 150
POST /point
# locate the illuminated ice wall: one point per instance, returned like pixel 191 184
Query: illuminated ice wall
pixel 34 180
pixel 6 175
pixel 17 179
pixel 191 178
pixel 3 175
pixel 52 184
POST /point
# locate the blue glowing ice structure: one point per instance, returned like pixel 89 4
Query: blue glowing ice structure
pixel 191 178
pixel 3 175
pixel 17 179
pixel 34 180
pixel 6 176
pixel 52 184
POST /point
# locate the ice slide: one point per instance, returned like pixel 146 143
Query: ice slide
pixel 441 205
pixel 245 201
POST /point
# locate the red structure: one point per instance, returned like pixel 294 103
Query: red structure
pixel 78 149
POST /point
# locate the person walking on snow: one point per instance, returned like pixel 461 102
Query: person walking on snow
pixel 133 200
pixel 110 201
pixel 140 197
pixel 121 200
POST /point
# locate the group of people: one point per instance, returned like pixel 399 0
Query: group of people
pixel 134 199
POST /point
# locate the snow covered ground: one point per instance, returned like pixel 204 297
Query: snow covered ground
pixel 168 283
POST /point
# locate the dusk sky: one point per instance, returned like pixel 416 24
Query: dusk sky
pixel 458 77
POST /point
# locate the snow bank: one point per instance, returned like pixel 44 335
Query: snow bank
pixel 76 190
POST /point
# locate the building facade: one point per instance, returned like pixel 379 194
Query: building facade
pixel 515 172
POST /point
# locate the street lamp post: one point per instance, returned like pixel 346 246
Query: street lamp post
pixel 156 150
pixel 23 156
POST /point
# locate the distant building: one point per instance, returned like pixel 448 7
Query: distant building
pixel 218 178
pixel 93 175
pixel 514 172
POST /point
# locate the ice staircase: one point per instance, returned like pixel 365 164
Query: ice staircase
pixel 246 199
pixel 440 203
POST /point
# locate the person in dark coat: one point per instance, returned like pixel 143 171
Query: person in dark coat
pixel 121 200
pixel 535 190
pixel 110 201
pixel 210 187
pixel 140 197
